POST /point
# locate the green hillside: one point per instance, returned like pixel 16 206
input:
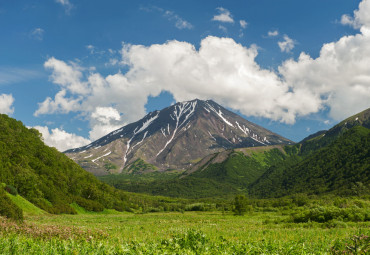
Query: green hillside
pixel 233 175
pixel 239 169
pixel 48 178
pixel 322 139
pixel 27 207
pixel 342 167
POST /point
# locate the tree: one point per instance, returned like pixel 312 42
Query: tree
pixel 240 205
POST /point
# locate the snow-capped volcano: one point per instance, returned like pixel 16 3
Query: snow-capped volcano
pixel 173 138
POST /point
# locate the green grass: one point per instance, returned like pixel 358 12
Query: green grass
pixel 175 233
pixel 81 210
pixel 27 207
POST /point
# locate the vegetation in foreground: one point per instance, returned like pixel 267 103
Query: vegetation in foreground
pixel 179 233
pixel 291 225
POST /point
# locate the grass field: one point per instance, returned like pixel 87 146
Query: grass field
pixel 111 232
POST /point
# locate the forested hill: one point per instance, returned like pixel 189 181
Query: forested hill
pixel 48 178
pixel 342 167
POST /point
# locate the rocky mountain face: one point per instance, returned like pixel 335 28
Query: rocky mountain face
pixel 176 137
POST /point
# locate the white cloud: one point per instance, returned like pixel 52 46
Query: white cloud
pixel 222 70
pixel 104 120
pixel 6 102
pixel 60 104
pixel 243 24
pixel 66 4
pixel 272 33
pixel 339 77
pixel 287 45
pixel 37 34
pixel 60 139
pixel 180 23
pixel 223 16
pixel 67 76
pixel 361 17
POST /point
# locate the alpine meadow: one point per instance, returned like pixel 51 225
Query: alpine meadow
pixel 185 127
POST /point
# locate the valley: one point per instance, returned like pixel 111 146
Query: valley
pixel 235 199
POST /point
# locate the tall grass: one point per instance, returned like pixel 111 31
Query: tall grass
pixel 176 233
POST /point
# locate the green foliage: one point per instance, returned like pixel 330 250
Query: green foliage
pixel 357 244
pixel 323 214
pixel 89 205
pixel 11 190
pixel 8 208
pixel 27 207
pixel 49 179
pixel 140 166
pixel 199 207
pixel 109 166
pixel 240 205
pixel 239 169
pixel 178 233
pixel 215 180
pixel 192 241
pixel 189 187
pixel 341 167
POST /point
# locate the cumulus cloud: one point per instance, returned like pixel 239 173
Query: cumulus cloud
pixel 6 102
pixel 223 16
pixel 361 16
pixel 339 77
pixel 272 33
pixel 68 76
pixel 287 45
pixel 222 70
pixel 104 120
pixel 60 139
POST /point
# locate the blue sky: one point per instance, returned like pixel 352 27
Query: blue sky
pixel 79 69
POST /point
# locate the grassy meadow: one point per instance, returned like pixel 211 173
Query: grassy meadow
pixel 111 232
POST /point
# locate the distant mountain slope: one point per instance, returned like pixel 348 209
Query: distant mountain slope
pixel 173 138
pixel 334 161
pixel 342 167
pixel 323 139
pixel 46 177
pixel 239 167
pixel 219 174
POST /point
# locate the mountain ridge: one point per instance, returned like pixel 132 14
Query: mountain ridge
pixel 173 138
pixel 336 161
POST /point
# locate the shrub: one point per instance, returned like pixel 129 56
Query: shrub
pixel 9 209
pixel 89 205
pixel 323 214
pixel 11 190
pixel 195 207
pixel 240 205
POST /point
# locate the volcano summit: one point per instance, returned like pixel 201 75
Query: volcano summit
pixel 173 138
